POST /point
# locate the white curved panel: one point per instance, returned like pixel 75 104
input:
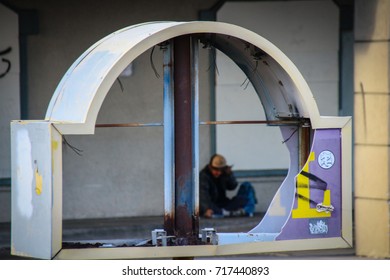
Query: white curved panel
pixel 77 99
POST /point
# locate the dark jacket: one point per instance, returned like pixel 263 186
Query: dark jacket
pixel 212 191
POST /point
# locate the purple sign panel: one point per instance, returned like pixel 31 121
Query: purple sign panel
pixel 316 212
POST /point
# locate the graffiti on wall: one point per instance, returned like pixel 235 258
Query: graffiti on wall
pixel 5 61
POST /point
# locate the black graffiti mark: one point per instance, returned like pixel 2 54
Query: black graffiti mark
pixel 318 184
pixel 4 52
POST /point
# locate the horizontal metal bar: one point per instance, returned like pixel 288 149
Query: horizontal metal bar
pixel 128 124
pixel 201 123
pixel 260 173
pixel 248 122
pixel 201 250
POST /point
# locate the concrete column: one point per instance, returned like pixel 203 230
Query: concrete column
pixel 372 128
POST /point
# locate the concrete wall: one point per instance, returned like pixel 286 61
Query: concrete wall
pixel 9 98
pixel 372 141
pixel 9 82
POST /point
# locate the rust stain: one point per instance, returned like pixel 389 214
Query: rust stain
pixel 187 227
pixel 169 223
pixel 184 227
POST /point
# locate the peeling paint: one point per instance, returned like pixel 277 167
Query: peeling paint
pixel 25 175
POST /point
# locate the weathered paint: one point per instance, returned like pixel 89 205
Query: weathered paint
pixel 36 221
pixel 24 173
pixel 184 154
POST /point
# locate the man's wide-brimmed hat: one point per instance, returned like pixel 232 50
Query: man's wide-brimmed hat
pixel 218 161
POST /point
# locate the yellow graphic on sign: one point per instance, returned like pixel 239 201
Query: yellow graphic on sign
pixel 303 209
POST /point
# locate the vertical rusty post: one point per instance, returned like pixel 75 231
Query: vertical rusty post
pixel 304 145
pixel 185 224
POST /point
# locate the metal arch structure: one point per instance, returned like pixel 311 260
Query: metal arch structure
pixel 320 165
pixel 85 84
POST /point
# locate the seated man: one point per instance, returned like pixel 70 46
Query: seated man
pixel 214 180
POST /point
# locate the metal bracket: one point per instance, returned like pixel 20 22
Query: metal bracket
pixel 209 236
pixel 159 234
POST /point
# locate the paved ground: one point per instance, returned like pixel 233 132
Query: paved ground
pixel 138 228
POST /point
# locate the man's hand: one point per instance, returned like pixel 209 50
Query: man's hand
pixel 228 169
pixel 209 213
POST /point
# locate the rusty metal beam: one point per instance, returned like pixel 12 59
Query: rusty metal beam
pixel 185 225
